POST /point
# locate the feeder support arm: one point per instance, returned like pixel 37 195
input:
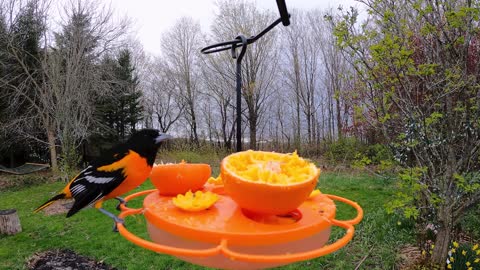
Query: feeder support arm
pixel 242 41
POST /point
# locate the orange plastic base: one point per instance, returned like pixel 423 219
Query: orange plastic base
pixel 227 237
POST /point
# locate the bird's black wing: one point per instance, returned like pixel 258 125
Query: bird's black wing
pixel 110 156
pixel 92 185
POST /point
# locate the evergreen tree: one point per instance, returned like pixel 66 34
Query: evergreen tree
pixel 3 66
pixel 130 96
pixel 20 68
pixel 122 110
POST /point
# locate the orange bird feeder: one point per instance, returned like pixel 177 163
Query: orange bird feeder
pixel 226 235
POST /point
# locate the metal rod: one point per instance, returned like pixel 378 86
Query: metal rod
pixel 244 41
pixel 232 45
pixel 228 45
pixel 282 8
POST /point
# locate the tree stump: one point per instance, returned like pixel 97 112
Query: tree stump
pixel 9 222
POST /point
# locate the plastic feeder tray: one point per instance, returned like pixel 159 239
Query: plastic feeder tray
pixel 227 237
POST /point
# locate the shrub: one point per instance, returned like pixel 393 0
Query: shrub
pixel 353 152
pixel 19 181
pixel 345 150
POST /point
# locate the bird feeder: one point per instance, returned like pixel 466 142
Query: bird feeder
pixel 225 236
pixel 244 221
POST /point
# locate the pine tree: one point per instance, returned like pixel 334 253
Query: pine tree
pixel 132 109
pixel 121 111
pixel 20 68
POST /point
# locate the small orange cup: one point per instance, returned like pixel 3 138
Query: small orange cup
pixel 178 178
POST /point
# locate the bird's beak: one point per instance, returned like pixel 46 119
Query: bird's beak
pixel 162 137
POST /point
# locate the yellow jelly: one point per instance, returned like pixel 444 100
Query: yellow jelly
pixel 215 181
pixel 314 194
pixel 194 202
pixel 272 168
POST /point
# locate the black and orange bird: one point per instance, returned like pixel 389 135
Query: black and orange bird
pixel 115 172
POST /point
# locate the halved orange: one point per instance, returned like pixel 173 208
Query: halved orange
pixel 268 182
pixel 178 178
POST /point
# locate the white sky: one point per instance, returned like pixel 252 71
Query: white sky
pixel 152 18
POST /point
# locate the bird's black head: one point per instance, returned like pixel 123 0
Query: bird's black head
pixel 146 143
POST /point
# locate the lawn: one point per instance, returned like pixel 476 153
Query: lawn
pixel 378 237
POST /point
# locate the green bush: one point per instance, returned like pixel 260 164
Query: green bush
pixel 354 153
pixel 345 150
pixel 378 153
pixel 14 182
pixel 471 222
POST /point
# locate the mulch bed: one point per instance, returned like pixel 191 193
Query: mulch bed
pixel 58 207
pixel 64 260
pixel 410 257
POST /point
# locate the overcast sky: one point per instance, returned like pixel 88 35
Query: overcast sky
pixel 152 18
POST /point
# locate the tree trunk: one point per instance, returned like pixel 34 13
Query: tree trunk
pixel 309 127
pixel 53 150
pixel 339 118
pixel 194 123
pixel 297 139
pixel 440 252
pixel 253 132
pixel 9 222
pixel 442 240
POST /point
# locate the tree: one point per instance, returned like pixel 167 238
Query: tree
pixel 23 26
pixel 58 95
pixel 260 61
pixel 292 71
pixel 122 110
pixel 163 101
pixel 303 69
pixel 336 71
pixel 420 66
pixel 219 88
pixel 180 49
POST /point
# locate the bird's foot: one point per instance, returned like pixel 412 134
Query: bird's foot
pixel 116 219
pixel 120 202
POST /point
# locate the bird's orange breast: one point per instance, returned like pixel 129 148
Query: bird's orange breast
pixel 136 170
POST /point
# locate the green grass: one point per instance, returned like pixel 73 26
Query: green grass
pixel 90 233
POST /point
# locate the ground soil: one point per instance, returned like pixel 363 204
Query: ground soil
pixel 58 207
pixel 409 258
pixel 64 260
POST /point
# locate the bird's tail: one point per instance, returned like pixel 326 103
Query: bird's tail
pixel 52 200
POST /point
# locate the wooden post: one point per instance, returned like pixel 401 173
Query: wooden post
pixel 9 222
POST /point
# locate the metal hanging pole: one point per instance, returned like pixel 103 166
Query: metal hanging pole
pixel 242 41
pixel 239 87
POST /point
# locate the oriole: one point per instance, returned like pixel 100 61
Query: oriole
pixel 115 172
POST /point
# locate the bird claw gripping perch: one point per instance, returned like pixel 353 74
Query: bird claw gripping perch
pixel 120 202
pixel 115 219
pixel 118 220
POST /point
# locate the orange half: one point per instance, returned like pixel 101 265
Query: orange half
pixel 178 178
pixel 268 182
